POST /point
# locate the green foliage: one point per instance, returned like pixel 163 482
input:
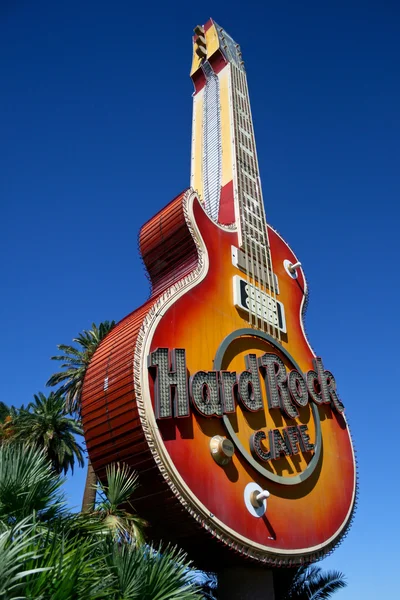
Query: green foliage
pixel 66 567
pixel 5 420
pixel 28 484
pixel 75 363
pixel 4 412
pixel 147 573
pixel 121 485
pixel 208 583
pixel 48 554
pixel 18 546
pixel 46 563
pixel 311 583
pixel 44 424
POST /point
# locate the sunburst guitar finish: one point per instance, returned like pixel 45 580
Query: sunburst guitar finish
pixel 299 450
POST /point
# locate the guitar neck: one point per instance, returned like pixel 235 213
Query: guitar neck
pixel 224 157
pixel 251 217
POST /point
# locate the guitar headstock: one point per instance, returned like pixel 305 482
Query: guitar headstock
pixel 211 39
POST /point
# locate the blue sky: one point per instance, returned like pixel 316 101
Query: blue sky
pixel 95 122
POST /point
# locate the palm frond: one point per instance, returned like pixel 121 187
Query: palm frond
pixel 208 583
pixel 312 583
pixel 18 546
pixel 46 425
pixel 75 361
pixel 122 482
pixel 4 411
pixel 151 573
pixel 28 484
pixel 70 567
pixel 38 561
pixel 326 584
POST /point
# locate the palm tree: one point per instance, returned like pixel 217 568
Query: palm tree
pixel 115 493
pixel 41 554
pixel 4 411
pixel 5 422
pixel 208 583
pixel 48 553
pixel 75 363
pixel 28 484
pixel 312 583
pixel 149 573
pixel 45 424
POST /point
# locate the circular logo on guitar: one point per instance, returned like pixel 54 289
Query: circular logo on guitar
pixel 274 431
pixel 292 399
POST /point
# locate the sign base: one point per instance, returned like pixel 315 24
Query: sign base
pixel 246 583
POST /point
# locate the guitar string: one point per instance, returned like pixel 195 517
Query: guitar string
pixel 248 216
pixel 257 233
pixel 245 240
pixel 267 279
pixel 256 274
pixel 248 248
pixel 240 199
pixel 246 219
pixel 254 231
pixel 266 246
pixel 252 237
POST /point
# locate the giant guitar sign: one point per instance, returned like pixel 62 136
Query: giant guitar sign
pixel 210 390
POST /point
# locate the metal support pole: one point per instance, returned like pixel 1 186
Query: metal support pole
pixel 245 583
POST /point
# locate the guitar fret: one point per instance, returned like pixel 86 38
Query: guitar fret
pixel 244 115
pixel 253 214
pixel 255 247
pixel 257 268
pixel 253 225
pixel 254 236
pixel 246 133
pixel 246 142
pixel 251 199
pixel 253 240
pixel 248 175
pixel 249 152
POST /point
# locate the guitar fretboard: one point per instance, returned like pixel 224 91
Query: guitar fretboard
pixel 253 229
pixel 224 170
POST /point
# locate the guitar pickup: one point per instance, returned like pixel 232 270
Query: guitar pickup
pixel 250 299
pixel 255 269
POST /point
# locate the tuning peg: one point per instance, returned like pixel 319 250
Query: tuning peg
pixel 200 42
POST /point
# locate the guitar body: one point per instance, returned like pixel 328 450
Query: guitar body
pixel 185 495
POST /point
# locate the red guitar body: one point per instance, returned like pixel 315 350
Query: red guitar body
pixel 184 494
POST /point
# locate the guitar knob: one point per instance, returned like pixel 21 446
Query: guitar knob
pixel 291 268
pixel 257 497
pixel 221 450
